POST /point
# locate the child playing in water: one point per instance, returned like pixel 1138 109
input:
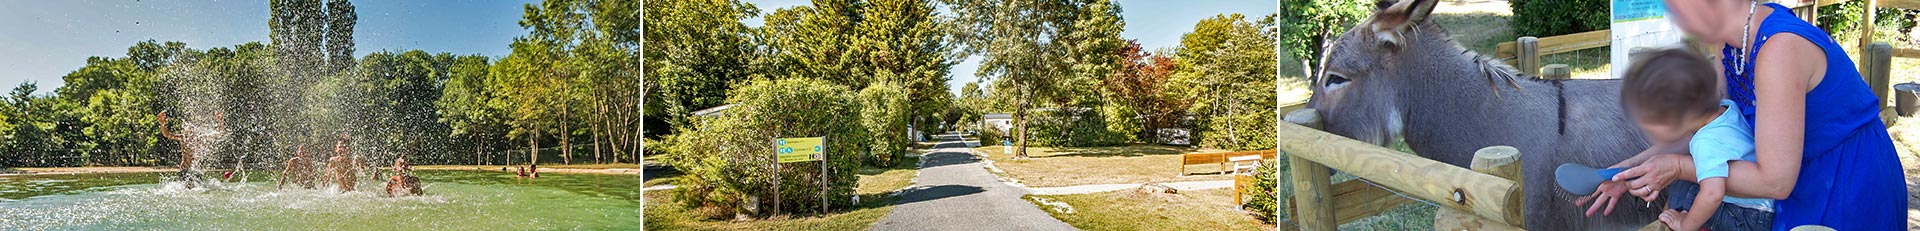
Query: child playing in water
pixel 187 176
pixel 403 182
pixel 1676 98
pixel 341 167
pixel 297 170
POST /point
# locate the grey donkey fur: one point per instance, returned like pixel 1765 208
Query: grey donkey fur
pixel 1398 74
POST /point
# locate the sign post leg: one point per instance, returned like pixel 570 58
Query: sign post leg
pixel 823 177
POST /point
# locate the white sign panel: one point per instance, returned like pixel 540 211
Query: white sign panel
pixel 1639 23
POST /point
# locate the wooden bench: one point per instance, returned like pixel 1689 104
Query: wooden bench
pixel 1220 158
pixel 1241 183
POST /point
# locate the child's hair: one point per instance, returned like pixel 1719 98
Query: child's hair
pixel 1670 84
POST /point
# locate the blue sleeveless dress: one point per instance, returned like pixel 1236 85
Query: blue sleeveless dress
pixel 1850 176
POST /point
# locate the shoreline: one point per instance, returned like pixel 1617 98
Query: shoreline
pixel 560 169
pixel 84 170
pixel 93 170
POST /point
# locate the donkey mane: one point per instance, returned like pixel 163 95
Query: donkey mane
pixel 1495 69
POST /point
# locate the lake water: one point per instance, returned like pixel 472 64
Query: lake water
pixel 454 200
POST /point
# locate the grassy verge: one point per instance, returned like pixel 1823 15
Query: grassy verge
pixel 1053 167
pixel 1127 210
pixel 876 187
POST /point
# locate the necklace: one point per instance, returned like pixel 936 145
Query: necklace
pixel 1741 58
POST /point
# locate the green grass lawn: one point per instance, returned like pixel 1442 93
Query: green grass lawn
pixel 1139 163
pixel 875 189
pixel 1127 210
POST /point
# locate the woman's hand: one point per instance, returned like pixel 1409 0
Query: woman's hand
pixel 1655 175
pixel 1608 194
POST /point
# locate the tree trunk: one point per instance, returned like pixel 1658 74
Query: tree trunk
pixel 533 148
pixel 599 120
pixel 566 147
pixel 476 148
pixel 1020 129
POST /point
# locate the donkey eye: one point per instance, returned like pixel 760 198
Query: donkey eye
pixel 1334 81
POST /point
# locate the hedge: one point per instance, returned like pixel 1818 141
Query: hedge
pixel 728 158
pixel 1542 18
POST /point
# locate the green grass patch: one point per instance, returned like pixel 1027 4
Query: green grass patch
pixel 875 189
pixel 1138 163
pixel 1127 210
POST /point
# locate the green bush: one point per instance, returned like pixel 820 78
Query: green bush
pixel 1542 18
pixel 1844 19
pixel 728 158
pixel 1071 128
pixel 1123 121
pixel 991 136
pixel 1264 203
pixel 885 118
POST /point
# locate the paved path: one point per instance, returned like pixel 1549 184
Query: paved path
pixel 954 192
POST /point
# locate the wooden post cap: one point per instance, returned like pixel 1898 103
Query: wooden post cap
pixel 1304 117
pixel 1556 71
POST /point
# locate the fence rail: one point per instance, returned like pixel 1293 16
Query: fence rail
pixel 1482 192
pixel 1527 60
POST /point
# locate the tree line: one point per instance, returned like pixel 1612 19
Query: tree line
pixel 571 82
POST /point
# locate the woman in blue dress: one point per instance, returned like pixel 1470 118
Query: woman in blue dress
pixel 1824 154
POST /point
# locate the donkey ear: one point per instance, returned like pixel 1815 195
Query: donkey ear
pixel 1391 21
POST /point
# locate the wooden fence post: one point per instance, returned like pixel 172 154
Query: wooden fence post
pixel 1500 161
pixel 1528 51
pixel 1866 23
pixel 1311 186
pixel 1556 71
pixel 1879 60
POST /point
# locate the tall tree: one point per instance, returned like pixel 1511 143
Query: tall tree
pixel 1024 41
pixel 340 21
pixel 694 49
pixel 1227 72
pixel 904 42
pixel 312 42
pixel 463 106
pixel 1140 86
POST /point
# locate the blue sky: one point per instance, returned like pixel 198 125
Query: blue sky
pixel 1157 24
pixel 43 40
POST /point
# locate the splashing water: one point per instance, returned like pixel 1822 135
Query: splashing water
pixel 455 200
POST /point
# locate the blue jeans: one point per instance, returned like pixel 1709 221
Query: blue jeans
pixel 1728 218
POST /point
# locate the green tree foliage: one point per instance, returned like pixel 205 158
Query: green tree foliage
pixel 1892 24
pixel 695 49
pixel 1310 24
pixel 1264 202
pixel 885 117
pixel 726 159
pixel 861 43
pixel 1040 52
pixel 570 70
pixel 1139 92
pixel 394 107
pixel 463 107
pixel 575 76
pixel 1227 73
pixel 1542 18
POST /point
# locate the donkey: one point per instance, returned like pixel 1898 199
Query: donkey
pixel 1398 74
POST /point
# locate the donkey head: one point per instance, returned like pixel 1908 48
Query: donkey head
pixel 1366 67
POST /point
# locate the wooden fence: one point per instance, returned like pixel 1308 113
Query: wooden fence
pixel 1524 53
pixel 1489 195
